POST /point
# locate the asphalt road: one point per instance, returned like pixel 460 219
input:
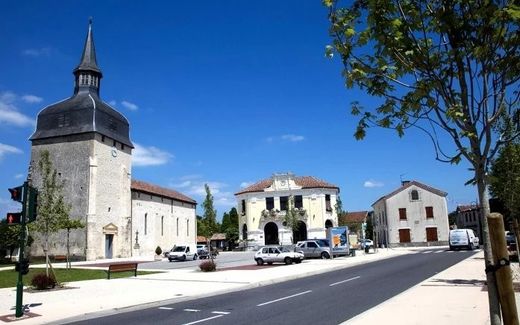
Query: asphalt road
pixel 328 298
pixel 224 259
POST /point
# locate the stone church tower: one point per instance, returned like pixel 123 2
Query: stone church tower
pixel 90 148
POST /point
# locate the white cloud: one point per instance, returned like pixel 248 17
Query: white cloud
pixel 286 138
pixel 194 187
pixel 371 183
pixel 31 99
pixel 129 105
pixel 19 176
pixel 44 51
pixel 149 156
pixel 112 103
pixel 293 137
pixel 9 112
pixel 7 149
pixel 245 184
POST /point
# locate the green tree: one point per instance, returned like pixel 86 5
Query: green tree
pixel 70 224
pixel 437 66
pixel 369 231
pixel 9 236
pixel 209 218
pixel 230 227
pixel 505 179
pixel 291 218
pixel 53 212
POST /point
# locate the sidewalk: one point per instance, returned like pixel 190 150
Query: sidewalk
pixel 452 296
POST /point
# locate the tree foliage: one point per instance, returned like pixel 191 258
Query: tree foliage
pixel 291 218
pixel 209 218
pixel 505 179
pixel 9 236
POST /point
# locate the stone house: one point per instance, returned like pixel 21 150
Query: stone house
pixel 263 205
pixel 414 214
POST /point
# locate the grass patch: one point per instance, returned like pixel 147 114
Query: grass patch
pixel 8 278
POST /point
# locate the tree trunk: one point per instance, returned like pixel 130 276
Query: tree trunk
pixel 68 249
pixel 494 305
pixel 47 256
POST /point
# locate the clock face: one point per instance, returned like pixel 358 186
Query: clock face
pixel 114 152
pixel 282 183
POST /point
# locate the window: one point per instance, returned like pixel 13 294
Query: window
pixel 269 203
pixel 328 206
pixel 298 201
pixel 177 227
pixel 145 223
pixel 187 227
pixel 402 214
pixel 312 244
pixel 162 226
pixel 243 207
pixel 102 138
pixel 414 195
pixel 429 212
pixel 122 146
pixel 265 250
pixel 431 234
pixel 404 235
pixel 283 202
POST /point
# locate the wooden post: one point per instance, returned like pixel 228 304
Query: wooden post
pixel 503 274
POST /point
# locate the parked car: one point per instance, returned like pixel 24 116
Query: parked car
pixel 366 243
pixel 183 253
pixel 277 254
pixel 313 248
pixel 204 253
pixel 510 237
pixel 463 238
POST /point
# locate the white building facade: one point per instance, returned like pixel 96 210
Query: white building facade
pixel 415 214
pixel 263 205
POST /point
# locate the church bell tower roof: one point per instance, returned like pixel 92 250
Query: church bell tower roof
pixel 84 112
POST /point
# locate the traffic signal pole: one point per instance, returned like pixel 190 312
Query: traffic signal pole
pixel 19 285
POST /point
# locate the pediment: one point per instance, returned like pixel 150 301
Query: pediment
pixel 110 229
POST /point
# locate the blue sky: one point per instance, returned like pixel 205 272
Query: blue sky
pixel 219 92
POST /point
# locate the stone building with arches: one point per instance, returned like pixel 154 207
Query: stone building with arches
pixel 263 205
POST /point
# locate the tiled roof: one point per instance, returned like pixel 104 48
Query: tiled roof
pixel 303 181
pixel 357 216
pixel 218 236
pixel 160 191
pixel 464 208
pixel 201 239
pixel 409 184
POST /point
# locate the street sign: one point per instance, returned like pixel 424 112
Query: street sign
pixel 14 218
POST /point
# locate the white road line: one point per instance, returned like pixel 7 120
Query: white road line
pixel 220 312
pixel 291 296
pixel 203 320
pixel 347 280
pixel 437 252
pixel 192 310
pixel 166 308
pixel 427 252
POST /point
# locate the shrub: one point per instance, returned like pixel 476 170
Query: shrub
pixel 158 250
pixel 208 266
pixel 41 281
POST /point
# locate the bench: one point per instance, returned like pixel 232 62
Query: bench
pixel 59 258
pixel 122 267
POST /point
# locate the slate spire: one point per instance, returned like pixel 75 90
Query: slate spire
pixel 88 74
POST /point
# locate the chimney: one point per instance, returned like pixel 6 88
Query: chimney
pixel 403 183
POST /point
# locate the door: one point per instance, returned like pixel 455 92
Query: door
pixel 109 240
pixel 312 249
pixel 431 234
pixel 404 235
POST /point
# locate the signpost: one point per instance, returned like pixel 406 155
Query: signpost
pixel 28 196
pixel 338 239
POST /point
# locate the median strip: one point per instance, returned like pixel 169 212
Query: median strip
pixel 347 280
pixel 280 299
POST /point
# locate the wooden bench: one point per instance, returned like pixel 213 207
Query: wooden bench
pixel 59 258
pixel 122 267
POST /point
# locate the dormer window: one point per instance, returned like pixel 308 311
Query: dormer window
pixel 414 195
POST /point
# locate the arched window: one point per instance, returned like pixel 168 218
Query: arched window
pixel 414 195
pixel 145 223
pixel 177 227
pixel 188 227
pixel 162 226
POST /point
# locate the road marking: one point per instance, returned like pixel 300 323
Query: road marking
pixel 203 320
pixel 166 308
pixel 347 280
pixel 280 299
pixel 427 252
pixel 220 312
pixel 437 252
pixel 192 310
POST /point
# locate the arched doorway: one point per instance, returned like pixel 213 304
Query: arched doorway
pixel 328 223
pixel 244 232
pixel 271 234
pixel 300 233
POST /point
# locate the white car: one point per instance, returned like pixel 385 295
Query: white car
pixel 277 254
pixel 463 238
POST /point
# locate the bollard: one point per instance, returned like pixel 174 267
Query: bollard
pixel 502 269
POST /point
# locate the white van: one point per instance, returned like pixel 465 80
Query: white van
pixel 183 252
pixel 463 238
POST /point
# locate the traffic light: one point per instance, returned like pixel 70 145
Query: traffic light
pixel 33 204
pixel 16 193
pixel 14 218
pixel 22 266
